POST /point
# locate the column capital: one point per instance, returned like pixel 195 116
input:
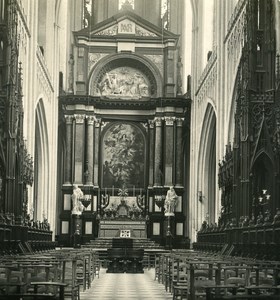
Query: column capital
pixel 169 121
pixel 68 119
pixel 90 120
pixel 97 122
pixel 158 121
pixel 79 118
pixel 151 123
pixel 179 122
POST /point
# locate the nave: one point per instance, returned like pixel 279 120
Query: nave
pixel 81 274
pixel 126 286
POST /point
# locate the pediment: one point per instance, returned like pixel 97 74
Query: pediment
pixel 126 23
pixel 125 27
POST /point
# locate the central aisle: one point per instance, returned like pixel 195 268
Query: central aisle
pixel 126 286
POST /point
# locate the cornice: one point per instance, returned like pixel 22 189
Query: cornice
pixel 99 102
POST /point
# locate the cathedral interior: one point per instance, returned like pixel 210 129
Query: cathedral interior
pixel 140 136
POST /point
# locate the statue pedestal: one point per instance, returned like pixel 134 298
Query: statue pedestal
pixel 76 231
pixel 169 230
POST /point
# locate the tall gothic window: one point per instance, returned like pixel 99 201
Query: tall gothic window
pixel 87 13
pixel 207 30
pixel 41 36
pixel 165 13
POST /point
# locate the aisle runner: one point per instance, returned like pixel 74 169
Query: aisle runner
pixel 126 286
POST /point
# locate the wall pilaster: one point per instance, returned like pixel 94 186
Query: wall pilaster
pixel 179 153
pixel 151 151
pixel 79 148
pixel 97 127
pixel 90 146
pixel 169 150
pixel 68 152
pixel 158 153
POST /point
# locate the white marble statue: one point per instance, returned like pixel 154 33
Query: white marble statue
pixel 170 201
pixel 76 200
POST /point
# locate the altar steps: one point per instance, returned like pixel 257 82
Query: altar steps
pixel 151 249
pixel 138 243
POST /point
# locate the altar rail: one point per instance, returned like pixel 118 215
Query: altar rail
pixel 260 241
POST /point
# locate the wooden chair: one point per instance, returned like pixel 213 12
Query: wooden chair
pixel 180 280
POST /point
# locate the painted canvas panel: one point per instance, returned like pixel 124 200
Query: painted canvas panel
pixel 123 156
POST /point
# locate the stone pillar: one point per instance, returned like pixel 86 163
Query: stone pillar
pixel 169 150
pixel 79 149
pixel 90 134
pixel 158 153
pixel 152 152
pixel 96 151
pixel 68 152
pixel 179 152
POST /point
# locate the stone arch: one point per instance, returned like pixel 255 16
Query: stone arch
pixel 129 138
pixel 207 167
pixel 263 176
pixel 126 59
pixel 41 164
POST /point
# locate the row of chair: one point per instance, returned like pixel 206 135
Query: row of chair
pixel 55 274
pixel 200 275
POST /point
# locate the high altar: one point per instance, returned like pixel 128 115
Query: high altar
pixel 123 124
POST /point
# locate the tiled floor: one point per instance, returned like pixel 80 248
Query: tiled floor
pixel 125 286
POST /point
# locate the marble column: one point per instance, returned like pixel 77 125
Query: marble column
pixel 169 150
pixel 158 153
pixel 151 152
pixel 96 151
pixel 179 152
pixel 79 148
pixel 68 152
pixel 90 147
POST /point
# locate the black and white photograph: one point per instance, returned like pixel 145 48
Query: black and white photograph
pixel 139 149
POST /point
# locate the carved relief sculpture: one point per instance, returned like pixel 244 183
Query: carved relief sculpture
pixel 124 82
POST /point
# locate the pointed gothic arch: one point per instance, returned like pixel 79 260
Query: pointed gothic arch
pixel 41 166
pixel 207 166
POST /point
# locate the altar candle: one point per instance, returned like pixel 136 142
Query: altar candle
pixel 140 191
pixel 113 191
pixel 134 191
pixel 105 191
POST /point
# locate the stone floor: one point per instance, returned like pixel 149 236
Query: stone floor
pixel 126 286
